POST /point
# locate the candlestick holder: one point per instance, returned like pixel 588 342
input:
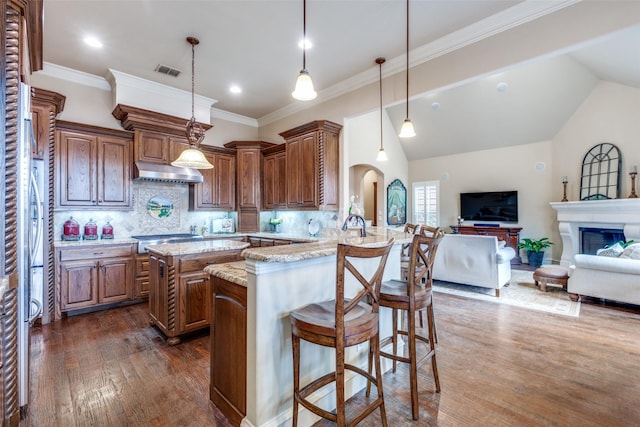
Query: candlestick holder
pixel 564 197
pixel 633 194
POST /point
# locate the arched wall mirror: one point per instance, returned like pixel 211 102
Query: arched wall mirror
pixel 600 177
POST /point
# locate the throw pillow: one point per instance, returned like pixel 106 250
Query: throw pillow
pixel 631 251
pixel 613 251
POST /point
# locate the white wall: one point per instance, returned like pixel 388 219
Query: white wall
pixel 512 168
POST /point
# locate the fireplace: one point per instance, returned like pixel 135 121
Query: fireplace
pixel 592 239
pixel 616 215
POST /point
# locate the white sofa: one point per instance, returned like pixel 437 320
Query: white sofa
pixel 612 278
pixel 473 260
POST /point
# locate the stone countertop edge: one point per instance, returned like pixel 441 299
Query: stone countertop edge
pixel 82 243
pixel 234 272
pixel 188 248
pixel 326 247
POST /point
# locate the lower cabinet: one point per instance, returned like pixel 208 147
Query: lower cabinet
pixel 141 287
pixel 94 275
pixel 180 291
pixel 228 372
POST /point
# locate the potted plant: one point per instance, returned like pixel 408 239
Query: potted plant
pixel 535 249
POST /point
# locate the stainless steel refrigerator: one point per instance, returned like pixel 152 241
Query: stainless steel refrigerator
pixel 30 242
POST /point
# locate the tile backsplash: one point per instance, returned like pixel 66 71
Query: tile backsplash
pixel 141 220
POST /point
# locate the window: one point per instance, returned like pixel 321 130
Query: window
pixel 425 203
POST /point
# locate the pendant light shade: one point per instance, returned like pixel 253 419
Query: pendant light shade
pixel 407 130
pixel 192 157
pixel 304 90
pixel 382 156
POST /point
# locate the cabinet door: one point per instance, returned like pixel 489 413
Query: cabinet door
pixel 40 122
pixel 114 279
pixel 248 182
pixel 151 147
pixel 269 183
pixel 176 147
pixel 78 284
pixel 114 172
pixel 280 197
pixel 309 171
pixel 158 291
pixel 76 165
pixel 294 192
pixel 141 287
pixel 195 301
pixel 225 173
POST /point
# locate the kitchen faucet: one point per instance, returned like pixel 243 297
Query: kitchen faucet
pixel 359 219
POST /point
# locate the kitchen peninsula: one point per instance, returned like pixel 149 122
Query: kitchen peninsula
pixel 251 361
pixel 179 290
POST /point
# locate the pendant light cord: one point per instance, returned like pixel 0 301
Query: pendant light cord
pixel 407 59
pixel 380 61
pixel 304 34
pixel 193 79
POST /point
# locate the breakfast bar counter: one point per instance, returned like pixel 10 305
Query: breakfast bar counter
pixel 256 299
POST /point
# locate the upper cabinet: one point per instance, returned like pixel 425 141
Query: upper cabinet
pixel 217 191
pixel 159 138
pixel 93 167
pixel 312 165
pixel 45 106
pixel 274 181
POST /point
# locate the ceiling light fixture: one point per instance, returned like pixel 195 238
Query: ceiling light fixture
pixel 382 156
pixel 93 42
pixel 192 157
pixel 304 86
pixel 407 130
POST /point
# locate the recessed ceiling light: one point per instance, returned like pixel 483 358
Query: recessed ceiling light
pixel 305 44
pixel 93 42
pixel 235 89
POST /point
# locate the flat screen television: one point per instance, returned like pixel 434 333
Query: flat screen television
pixel 489 206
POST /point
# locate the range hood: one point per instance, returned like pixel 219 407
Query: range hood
pixel 147 171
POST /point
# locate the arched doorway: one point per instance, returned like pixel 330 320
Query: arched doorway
pixel 366 187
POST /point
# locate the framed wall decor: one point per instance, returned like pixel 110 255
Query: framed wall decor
pixel 600 177
pixel 396 203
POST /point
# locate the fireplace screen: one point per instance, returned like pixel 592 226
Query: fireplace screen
pixel 601 173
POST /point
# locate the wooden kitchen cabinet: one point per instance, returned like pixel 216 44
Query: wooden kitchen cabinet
pixel 274 182
pixel 93 167
pixel 94 275
pixel 180 292
pixel 248 188
pixel 141 284
pixel 228 373
pixel 45 106
pixel 218 189
pixel 312 165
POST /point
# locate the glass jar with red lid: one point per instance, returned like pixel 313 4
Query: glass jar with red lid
pixel 90 230
pixel 71 229
pixel 107 231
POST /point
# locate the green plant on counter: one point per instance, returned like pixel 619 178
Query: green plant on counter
pixel 531 245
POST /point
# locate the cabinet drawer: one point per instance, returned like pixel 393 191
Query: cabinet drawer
pixel 96 252
pixel 142 265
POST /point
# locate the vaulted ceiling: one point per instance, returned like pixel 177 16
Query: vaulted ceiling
pixel 254 44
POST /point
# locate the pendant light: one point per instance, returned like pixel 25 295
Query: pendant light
pixel 407 130
pixel 192 157
pixel 304 86
pixel 382 156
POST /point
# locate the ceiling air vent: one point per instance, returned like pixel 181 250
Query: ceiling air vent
pixel 164 69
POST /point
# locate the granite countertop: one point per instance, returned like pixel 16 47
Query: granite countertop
pixel 323 246
pixel 234 272
pixel 80 243
pixel 188 248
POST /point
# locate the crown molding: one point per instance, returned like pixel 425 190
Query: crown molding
pixel 233 117
pixel 75 76
pixel 519 14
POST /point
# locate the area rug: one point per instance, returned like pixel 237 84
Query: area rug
pixel 521 292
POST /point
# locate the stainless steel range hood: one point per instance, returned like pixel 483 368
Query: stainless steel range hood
pixel 148 171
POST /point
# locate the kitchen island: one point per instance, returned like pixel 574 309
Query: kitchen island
pixel 253 386
pixel 179 290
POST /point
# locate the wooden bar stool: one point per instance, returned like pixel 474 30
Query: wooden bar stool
pixel 341 323
pixel 412 296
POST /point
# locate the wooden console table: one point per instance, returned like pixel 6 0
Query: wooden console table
pixel 510 235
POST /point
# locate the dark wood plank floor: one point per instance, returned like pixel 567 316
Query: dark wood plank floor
pixel 499 366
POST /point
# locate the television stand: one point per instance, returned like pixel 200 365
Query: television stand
pixel 509 235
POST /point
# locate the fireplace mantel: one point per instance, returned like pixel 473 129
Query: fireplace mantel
pixel 623 214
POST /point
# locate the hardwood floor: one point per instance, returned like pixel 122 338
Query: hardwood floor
pixel 499 366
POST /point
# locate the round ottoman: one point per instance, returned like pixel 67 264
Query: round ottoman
pixel 553 274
